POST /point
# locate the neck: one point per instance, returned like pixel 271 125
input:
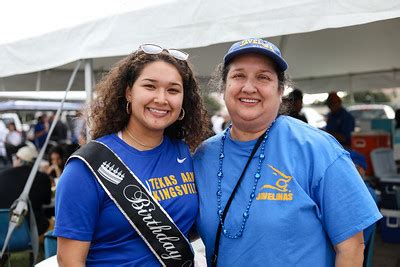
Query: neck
pixel 140 140
pixel 245 132
pixel 246 135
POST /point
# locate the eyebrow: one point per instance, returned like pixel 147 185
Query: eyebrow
pixel 263 70
pixel 155 81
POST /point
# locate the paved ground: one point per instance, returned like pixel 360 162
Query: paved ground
pixel 385 254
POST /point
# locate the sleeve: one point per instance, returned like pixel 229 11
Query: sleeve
pixel 346 205
pixel 78 202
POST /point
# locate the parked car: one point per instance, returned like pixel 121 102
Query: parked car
pixel 363 114
pixel 371 111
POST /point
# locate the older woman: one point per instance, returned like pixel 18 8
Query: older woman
pixel 145 106
pixel 273 191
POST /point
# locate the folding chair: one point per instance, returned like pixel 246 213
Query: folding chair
pixel 386 171
pixel 50 244
pixel 384 164
pixel 20 240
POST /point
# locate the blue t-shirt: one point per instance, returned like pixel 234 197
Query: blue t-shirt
pixel 341 122
pixel 309 198
pixel 85 212
pixel 39 141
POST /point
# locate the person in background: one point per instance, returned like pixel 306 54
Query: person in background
pixel 13 137
pixel 57 161
pixel 219 121
pixel 41 129
pixel 293 194
pixel 149 112
pixel 396 145
pixel 3 151
pixel 13 180
pixel 13 140
pixel 397 119
pixel 295 104
pixel 60 132
pixel 340 122
pixel 361 165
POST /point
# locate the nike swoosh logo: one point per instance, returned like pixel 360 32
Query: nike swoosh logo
pixel 180 160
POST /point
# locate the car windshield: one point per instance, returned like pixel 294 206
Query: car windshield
pixel 368 114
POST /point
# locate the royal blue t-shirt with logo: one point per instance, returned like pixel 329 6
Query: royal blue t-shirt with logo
pixel 85 212
pixel 309 198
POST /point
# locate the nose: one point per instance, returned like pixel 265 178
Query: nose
pixel 249 87
pixel 160 97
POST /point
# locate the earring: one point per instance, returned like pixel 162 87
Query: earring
pixel 181 115
pixel 128 107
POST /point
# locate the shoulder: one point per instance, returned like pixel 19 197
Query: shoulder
pixel 176 147
pixel 299 135
pixel 75 165
pixel 177 142
pixel 76 172
pixel 107 139
pixel 208 145
pixel 344 112
pixel 348 114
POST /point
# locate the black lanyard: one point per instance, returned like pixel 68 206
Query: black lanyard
pixel 214 257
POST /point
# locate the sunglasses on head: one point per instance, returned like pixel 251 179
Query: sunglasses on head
pixel 154 49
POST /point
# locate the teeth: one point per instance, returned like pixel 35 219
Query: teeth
pixel 158 111
pixel 248 100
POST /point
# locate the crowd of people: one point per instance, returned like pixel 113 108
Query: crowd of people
pixel 19 155
pixel 155 176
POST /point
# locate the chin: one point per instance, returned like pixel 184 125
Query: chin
pixel 159 126
pixel 247 117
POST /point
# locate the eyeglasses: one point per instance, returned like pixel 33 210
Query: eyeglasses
pixel 154 49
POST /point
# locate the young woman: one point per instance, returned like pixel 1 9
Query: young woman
pixel 145 107
pixel 300 201
pixel 56 162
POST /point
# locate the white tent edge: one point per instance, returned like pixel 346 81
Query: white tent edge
pixel 196 28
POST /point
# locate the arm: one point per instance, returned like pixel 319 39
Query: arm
pixel 350 252
pixel 54 168
pixel 72 252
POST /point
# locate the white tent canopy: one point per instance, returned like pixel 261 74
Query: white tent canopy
pixel 322 55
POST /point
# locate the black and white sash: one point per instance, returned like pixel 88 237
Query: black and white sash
pixel 143 212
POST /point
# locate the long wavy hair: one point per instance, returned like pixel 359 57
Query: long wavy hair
pixel 107 112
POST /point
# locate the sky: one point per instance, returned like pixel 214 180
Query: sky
pixel 21 19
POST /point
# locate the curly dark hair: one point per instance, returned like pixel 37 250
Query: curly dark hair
pixel 218 82
pixel 107 112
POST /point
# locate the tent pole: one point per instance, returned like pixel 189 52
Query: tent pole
pixel 39 81
pixel 88 87
pixel 282 43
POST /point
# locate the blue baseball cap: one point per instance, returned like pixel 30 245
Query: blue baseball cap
pixel 358 159
pixel 259 46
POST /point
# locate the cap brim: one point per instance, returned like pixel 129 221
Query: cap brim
pixel 280 62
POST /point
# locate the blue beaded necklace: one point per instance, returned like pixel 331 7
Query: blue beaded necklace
pixel 220 175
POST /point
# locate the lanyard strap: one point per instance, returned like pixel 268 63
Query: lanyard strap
pixel 143 212
pixel 214 257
